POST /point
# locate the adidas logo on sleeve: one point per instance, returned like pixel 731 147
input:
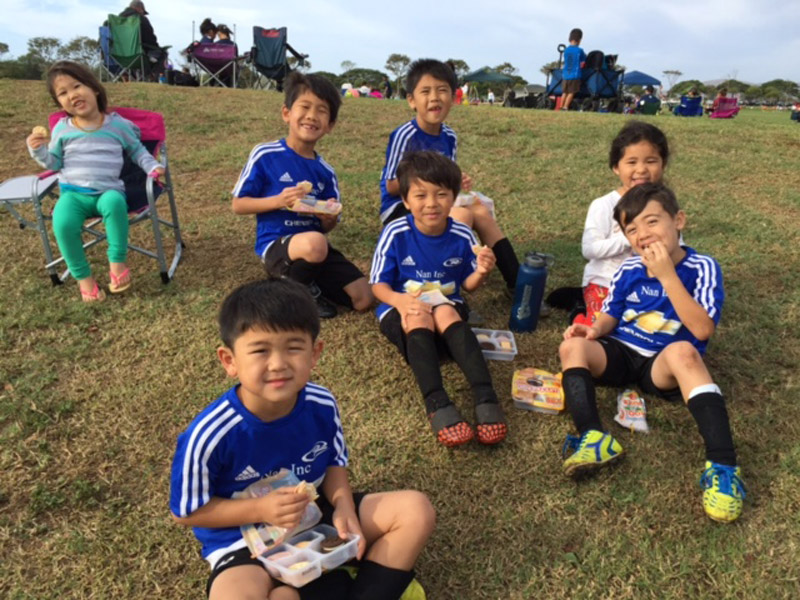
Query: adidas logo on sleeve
pixel 286 178
pixel 248 473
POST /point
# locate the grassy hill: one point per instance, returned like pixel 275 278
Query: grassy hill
pixel 93 397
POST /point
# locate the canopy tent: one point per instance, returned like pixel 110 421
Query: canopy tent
pixel 639 78
pixel 485 75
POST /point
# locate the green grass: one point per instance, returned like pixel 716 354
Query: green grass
pixel 93 397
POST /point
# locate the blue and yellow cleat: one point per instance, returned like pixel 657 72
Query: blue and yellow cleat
pixel 724 492
pixel 592 450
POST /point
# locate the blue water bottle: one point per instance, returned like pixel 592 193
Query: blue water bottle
pixel 528 293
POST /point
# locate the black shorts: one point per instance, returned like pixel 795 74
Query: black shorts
pixel 570 86
pixel 625 366
pixel 398 211
pixel 336 272
pixel 391 326
pixel 242 556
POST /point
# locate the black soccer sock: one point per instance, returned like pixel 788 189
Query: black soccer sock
pixel 466 351
pixel 333 585
pixel 303 271
pixel 374 581
pixel 507 262
pixel 424 362
pixel 581 400
pixel 708 409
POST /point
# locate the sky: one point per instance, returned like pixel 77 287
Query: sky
pixel 750 40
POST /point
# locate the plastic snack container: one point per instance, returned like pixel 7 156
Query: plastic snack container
pixel 288 554
pixel 496 344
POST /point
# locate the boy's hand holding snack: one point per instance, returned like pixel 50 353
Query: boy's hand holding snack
pixel 290 195
pixel 37 137
pixel 284 507
pixel 410 305
pixel 485 259
pixel 346 522
pixel 328 221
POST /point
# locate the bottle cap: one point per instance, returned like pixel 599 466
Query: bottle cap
pixel 538 260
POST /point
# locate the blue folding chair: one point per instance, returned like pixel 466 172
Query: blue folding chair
pixel 110 69
pixel 689 107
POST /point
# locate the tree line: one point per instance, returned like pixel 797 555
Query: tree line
pixel 43 52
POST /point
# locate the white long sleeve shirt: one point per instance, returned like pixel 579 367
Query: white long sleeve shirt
pixel 603 244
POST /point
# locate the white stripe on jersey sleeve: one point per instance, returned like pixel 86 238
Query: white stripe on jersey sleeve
pixel 255 154
pixel 321 395
pixel 193 471
pixel 705 283
pixel 333 177
pixel 398 147
pixel 384 243
pixel 465 232
pixel 449 132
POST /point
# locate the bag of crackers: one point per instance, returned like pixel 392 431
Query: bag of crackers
pixel 539 390
pixel 262 537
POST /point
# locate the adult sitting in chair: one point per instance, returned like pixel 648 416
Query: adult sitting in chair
pixel 224 39
pixel 156 55
pixel 648 104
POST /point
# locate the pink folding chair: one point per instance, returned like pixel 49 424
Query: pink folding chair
pixel 727 108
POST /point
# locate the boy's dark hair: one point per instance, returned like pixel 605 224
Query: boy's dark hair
pixel 431 167
pixel 207 25
pixel 649 89
pixel 80 73
pixel 430 66
pixel 635 199
pixel 576 35
pixel 633 133
pixel 271 304
pixel 298 83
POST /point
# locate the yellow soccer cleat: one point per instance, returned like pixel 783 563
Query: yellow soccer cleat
pixel 594 449
pixel 724 492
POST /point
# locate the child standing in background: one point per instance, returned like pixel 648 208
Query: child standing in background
pixel 574 58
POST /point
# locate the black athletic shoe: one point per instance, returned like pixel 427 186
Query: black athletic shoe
pixel 326 309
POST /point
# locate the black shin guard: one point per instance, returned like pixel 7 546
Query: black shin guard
pixel 581 400
pixel 303 271
pixel 465 350
pixel 507 262
pixel 423 359
pixel 376 581
pixel 708 409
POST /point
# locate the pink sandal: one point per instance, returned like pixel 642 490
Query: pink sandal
pixel 96 295
pixel 117 285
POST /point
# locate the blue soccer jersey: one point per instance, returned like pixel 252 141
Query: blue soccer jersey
pixel 406 257
pixel 573 57
pixel 226 448
pixel 647 320
pixel 273 167
pixel 410 138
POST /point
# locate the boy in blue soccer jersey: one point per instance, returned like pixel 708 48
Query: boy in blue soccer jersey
pixel 574 57
pixel 431 85
pixel 277 176
pixel 662 307
pixel 276 418
pixel 420 265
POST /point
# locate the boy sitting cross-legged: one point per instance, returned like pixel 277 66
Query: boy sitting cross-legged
pixel 277 176
pixel 431 85
pixel 662 307
pixel 275 418
pixel 428 253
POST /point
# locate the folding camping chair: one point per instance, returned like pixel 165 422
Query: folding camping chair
pixel 219 61
pixel 22 194
pixel 126 47
pixel 109 68
pixel 727 108
pixel 648 108
pixel 268 56
pixel 689 107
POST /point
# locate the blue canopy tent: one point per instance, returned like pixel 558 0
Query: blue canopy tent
pixel 639 78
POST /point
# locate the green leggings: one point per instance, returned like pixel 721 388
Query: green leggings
pixel 72 209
